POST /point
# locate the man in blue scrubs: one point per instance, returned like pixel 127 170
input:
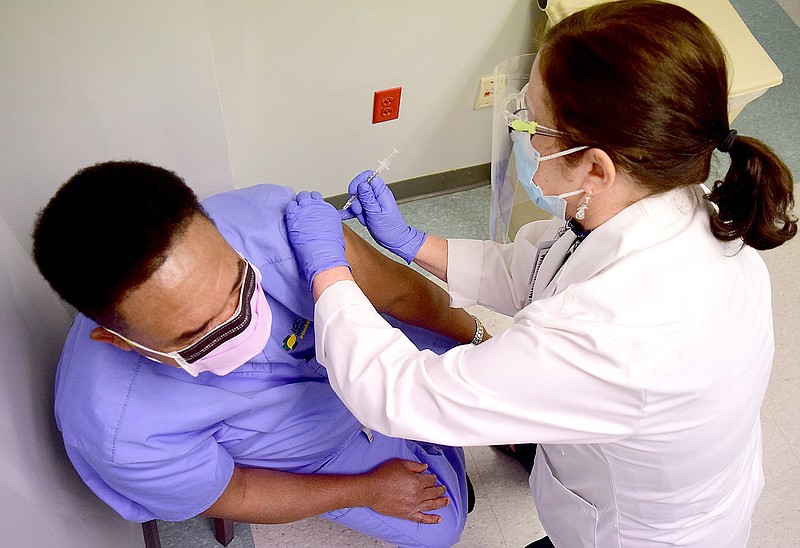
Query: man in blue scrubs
pixel 188 383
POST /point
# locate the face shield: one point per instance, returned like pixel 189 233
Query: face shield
pixel 511 207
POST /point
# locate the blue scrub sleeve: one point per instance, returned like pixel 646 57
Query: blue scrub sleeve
pixel 170 490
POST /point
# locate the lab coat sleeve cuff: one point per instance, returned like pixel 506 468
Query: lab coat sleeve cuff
pixel 339 295
pixel 343 299
pixel 464 267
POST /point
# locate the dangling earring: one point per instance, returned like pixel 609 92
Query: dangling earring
pixel 580 214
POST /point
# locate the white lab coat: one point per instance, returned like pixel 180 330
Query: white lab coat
pixel 640 366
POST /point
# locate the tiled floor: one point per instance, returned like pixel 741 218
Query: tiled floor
pixel 504 514
pixel 777 519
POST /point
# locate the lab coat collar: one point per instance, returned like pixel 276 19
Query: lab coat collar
pixel 646 223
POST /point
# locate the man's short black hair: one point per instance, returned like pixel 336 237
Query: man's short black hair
pixel 107 229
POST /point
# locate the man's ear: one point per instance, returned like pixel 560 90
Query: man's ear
pixel 101 334
pixel 600 172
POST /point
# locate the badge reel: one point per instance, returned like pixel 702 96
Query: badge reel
pixel 541 252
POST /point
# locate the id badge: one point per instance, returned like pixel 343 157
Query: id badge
pixel 541 253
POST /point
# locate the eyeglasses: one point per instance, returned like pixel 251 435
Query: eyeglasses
pixel 519 116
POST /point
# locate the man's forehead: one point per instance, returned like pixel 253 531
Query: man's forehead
pixel 191 285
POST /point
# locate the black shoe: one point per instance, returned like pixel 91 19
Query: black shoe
pixel 470 496
pixel 524 453
pixel 543 542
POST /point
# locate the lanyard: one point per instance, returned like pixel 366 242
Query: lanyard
pixel 544 248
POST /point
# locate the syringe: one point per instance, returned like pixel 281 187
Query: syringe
pixel 384 164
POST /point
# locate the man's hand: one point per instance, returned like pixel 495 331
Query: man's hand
pixel 403 490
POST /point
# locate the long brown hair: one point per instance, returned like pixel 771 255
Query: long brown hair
pixel 647 82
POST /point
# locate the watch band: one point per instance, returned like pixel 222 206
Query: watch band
pixel 479 331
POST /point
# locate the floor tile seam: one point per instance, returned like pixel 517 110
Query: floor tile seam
pixel 794 450
pixel 794 14
pixel 489 502
pixel 796 455
pixel 775 422
pixel 774 483
pixel 497 521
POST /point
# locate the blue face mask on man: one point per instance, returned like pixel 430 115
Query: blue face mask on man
pixel 526 160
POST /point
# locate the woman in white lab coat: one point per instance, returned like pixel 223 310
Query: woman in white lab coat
pixel 642 338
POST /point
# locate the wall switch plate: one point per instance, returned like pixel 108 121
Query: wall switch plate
pixel 485 96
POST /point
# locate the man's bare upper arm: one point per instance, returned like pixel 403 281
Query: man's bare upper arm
pixel 382 280
pixel 397 290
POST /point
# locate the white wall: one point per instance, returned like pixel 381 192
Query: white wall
pixel 224 92
pixel 297 82
pixel 86 81
pixel 43 502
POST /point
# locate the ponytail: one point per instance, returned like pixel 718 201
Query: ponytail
pixel 647 83
pixel 756 197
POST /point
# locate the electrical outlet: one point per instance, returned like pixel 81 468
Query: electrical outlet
pixel 485 96
pixel 386 105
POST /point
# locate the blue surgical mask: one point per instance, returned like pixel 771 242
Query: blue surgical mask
pixel 526 160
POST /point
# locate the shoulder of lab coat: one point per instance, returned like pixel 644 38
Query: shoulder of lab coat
pixel 488 273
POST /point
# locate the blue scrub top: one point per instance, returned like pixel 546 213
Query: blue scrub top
pixel 154 442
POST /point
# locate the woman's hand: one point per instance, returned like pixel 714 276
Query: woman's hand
pixel 315 234
pixel 401 489
pixel 377 209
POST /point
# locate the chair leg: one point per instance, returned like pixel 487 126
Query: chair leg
pixel 150 532
pixel 223 531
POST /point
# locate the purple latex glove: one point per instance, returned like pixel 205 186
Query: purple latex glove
pixel 315 234
pixel 355 209
pixel 377 209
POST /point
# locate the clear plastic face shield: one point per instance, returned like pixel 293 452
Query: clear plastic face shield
pixel 509 201
pixel 519 116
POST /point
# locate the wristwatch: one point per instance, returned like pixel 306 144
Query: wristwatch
pixel 478 338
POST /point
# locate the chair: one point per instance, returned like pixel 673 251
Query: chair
pixel 223 532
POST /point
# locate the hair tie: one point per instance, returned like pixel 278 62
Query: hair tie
pixel 727 142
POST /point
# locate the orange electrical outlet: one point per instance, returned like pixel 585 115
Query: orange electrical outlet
pixel 386 105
